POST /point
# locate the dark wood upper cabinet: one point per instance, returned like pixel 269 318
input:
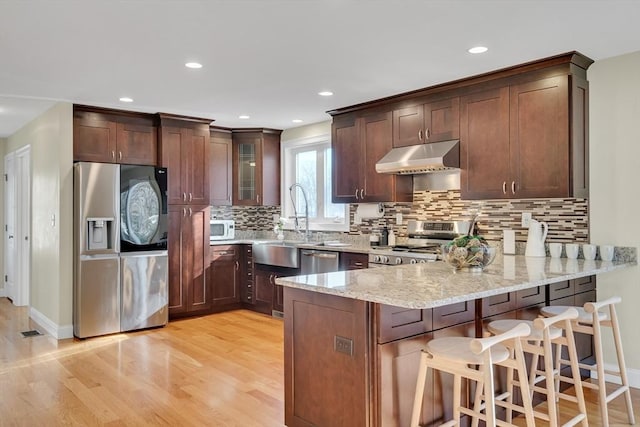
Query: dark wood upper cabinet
pixel 184 146
pixel 220 168
pixel 432 122
pixel 484 144
pixel 358 143
pixel 523 132
pixel 113 136
pixel 256 167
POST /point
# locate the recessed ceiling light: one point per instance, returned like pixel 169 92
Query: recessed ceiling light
pixel 325 93
pixel 296 121
pixel 193 65
pixel 126 99
pixel 478 49
pixel 244 117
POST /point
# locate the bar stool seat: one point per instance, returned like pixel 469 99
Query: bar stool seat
pixel 590 321
pixel 474 359
pixel 500 326
pixel 583 316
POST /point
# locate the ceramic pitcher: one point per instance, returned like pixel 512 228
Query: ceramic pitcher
pixel 535 239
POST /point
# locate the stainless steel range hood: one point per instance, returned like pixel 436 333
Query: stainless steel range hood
pixel 423 158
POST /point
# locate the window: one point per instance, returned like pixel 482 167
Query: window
pixel 308 162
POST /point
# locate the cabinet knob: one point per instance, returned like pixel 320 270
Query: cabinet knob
pixel 513 187
pixel 504 187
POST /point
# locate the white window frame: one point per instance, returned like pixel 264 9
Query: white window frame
pixel 287 158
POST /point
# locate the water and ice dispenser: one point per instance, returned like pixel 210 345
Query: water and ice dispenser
pixel 99 233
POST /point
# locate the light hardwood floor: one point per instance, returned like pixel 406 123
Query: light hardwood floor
pixel 220 370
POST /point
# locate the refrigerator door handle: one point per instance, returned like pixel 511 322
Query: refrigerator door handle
pixel 99 256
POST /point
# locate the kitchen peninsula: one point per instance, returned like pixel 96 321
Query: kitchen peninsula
pixel 353 338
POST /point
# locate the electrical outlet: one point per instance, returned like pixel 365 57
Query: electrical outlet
pixel 526 219
pixel 343 345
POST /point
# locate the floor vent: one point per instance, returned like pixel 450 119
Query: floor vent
pixel 31 333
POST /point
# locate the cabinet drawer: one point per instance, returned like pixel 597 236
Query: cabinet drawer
pixel 529 297
pixel 353 261
pixel 224 252
pixel 498 304
pixel 584 284
pixel 396 322
pixel 561 290
pixel 453 314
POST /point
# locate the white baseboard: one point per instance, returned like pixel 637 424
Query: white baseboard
pixel 633 374
pixel 3 292
pixel 52 328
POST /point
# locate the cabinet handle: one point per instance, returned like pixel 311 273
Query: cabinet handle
pixel 362 194
pixel 356 194
pixel 190 212
pixel 420 134
pixel 358 264
pixel 190 196
pixel 184 211
pixel 504 187
pixel 257 198
pixel 113 154
pixel 513 187
pixel 427 133
pixel 237 266
pixel 120 155
pixel 184 197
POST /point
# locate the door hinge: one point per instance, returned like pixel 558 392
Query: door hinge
pixel 6 278
pixel 6 177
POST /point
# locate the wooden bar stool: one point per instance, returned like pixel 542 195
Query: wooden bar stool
pixel 459 356
pixel 545 333
pixel 590 320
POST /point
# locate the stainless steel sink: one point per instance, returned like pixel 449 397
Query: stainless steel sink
pixel 279 253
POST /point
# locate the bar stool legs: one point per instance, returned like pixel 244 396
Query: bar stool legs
pixel 590 320
pixel 459 356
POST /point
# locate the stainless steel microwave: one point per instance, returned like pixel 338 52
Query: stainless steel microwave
pixel 221 229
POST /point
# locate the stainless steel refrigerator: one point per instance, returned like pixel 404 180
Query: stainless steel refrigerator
pixel 120 245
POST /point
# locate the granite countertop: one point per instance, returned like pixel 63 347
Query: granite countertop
pixel 435 284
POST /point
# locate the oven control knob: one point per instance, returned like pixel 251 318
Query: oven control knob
pixel 413 261
pixel 422 261
pixel 376 258
pixel 398 261
pixel 384 259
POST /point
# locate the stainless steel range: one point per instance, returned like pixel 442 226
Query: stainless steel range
pixel 423 244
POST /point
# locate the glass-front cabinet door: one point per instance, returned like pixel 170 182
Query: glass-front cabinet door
pixel 246 169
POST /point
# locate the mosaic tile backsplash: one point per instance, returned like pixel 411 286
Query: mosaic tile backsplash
pixel 567 218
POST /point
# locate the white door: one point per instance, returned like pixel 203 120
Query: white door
pixel 10 226
pixel 23 225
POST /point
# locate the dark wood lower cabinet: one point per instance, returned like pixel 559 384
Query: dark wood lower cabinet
pixel 225 276
pixel 325 336
pixel 268 297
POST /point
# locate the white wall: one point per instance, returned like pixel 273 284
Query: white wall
pixel 614 104
pixel 3 143
pixel 308 131
pixel 51 139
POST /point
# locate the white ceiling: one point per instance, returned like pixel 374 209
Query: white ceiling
pixel 269 58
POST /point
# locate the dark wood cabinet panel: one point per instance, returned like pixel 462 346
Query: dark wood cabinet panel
pixel 185 154
pixel 484 144
pixel 453 314
pixel 498 304
pixel 188 259
pixel 278 297
pixel 579 133
pixel 94 140
pixel 256 167
pixel 530 297
pixel 113 136
pixel 225 275
pixel 220 168
pixel 432 122
pixel 347 159
pixel 539 138
pixel 584 284
pixel 353 261
pixel 398 323
pixel 263 292
pixel 358 143
pixel 561 290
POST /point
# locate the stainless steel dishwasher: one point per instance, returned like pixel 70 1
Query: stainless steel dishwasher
pixel 314 261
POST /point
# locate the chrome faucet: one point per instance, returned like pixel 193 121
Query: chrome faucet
pixel 307 235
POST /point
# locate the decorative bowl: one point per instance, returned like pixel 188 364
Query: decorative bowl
pixel 472 252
